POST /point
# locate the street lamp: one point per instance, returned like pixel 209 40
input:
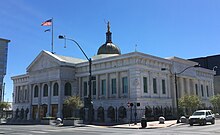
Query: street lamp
pixel 90 75
pixel 175 79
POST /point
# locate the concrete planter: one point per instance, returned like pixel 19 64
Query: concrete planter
pixel 69 122
pixel 47 122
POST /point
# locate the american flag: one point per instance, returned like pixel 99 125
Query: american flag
pixel 47 23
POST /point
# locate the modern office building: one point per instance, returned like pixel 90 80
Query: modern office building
pixel 212 63
pixel 120 79
pixel 3 64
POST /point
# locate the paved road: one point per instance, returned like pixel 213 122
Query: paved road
pixel 52 130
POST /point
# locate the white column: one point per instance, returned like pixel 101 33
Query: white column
pixel 181 87
pixel 168 88
pixel 199 88
pixel 107 85
pixel 50 88
pixel 118 84
pixel 193 90
pixel 97 86
pixel 61 96
pixel 188 86
pixel 80 87
pixel 150 87
pixel 30 97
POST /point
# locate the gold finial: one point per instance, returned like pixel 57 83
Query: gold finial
pixel 108 26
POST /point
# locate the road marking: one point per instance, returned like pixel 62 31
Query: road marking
pixel 40 132
pixel 20 134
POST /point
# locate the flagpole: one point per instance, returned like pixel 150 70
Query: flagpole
pixel 52 37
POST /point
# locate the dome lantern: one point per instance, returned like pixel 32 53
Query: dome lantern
pixel 108 47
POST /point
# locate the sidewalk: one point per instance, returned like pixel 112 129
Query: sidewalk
pixel 150 125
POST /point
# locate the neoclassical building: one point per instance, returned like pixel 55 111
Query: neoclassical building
pixel 119 79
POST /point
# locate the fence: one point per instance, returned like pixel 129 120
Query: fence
pixel 122 114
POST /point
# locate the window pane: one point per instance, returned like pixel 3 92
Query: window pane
pixel 163 87
pixel 124 85
pixel 36 91
pixel 103 90
pixel 202 90
pixel 207 89
pixel 85 88
pixel 55 89
pixel 45 93
pixel 155 85
pixel 196 89
pixel 67 89
pixel 145 85
pixel 114 86
pixel 94 87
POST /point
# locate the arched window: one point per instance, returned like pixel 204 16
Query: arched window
pixel 45 92
pixel 55 89
pixel 101 114
pixel 67 89
pixel 36 91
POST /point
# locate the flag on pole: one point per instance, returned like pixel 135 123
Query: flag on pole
pixel 47 23
pixel 47 30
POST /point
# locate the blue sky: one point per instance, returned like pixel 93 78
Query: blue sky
pixel 164 28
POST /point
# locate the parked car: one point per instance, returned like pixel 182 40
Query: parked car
pixel 202 117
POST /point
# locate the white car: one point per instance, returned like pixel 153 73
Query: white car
pixel 201 117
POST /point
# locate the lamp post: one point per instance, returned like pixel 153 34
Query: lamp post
pixel 175 80
pixel 90 76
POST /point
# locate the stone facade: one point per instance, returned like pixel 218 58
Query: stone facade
pixel 133 77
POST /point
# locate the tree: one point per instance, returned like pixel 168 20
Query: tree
pixel 74 103
pixel 4 105
pixel 190 103
pixel 215 100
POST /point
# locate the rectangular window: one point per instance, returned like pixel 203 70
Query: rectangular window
pixel 202 91
pixel 103 87
pixel 196 86
pixel 124 85
pixel 145 85
pixel 113 86
pixel 85 88
pixel 25 94
pixel 155 85
pixel 207 89
pixel 163 86
pixel 94 87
